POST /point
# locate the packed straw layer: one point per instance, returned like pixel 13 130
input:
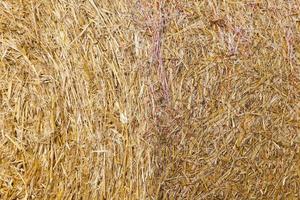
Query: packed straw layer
pixel 138 99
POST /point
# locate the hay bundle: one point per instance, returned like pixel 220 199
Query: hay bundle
pixel 149 99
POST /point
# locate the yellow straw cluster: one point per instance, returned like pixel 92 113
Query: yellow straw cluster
pixel 138 99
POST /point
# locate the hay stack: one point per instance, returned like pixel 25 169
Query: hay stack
pixel 149 99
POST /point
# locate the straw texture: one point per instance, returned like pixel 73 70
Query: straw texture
pixel 162 99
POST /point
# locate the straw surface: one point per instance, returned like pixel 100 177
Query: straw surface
pixel 163 99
